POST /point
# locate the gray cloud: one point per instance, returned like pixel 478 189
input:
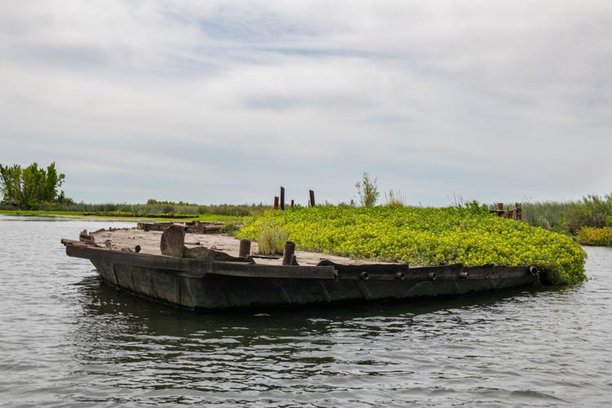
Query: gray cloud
pixel 224 101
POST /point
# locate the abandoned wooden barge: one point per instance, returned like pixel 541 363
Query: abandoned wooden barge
pixel 164 266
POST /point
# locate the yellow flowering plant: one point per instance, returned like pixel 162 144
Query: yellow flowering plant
pixel 425 236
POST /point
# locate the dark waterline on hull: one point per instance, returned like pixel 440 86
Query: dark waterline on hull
pixel 67 339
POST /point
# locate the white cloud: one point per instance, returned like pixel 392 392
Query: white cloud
pixel 223 101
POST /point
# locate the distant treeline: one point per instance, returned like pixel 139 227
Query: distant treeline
pixel 566 217
pixel 151 208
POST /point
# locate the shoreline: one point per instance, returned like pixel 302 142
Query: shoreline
pixel 78 215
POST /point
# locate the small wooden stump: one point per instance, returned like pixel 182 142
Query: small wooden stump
pixel 245 248
pixel 289 254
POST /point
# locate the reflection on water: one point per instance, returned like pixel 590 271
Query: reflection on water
pixel 68 339
pixel 336 354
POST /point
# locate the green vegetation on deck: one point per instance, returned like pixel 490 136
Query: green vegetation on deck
pixel 424 236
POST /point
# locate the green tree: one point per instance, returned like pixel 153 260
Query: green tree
pixel 30 186
pixel 367 190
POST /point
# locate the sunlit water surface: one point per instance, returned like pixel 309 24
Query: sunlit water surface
pixel 66 339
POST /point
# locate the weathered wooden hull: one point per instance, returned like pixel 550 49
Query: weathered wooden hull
pixel 202 284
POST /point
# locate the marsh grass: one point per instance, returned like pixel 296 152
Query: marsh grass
pixel 395 199
pixel 570 217
pixel 271 240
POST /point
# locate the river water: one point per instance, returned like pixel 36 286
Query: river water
pixel 66 339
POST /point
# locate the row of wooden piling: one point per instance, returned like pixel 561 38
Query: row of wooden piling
pixel 279 200
pixel 515 213
pixel 288 253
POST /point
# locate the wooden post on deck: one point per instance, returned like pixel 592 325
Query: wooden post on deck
pixel 311 202
pixel 275 202
pixel 245 248
pixel 518 211
pixel 288 255
pixel 498 209
pixel 282 198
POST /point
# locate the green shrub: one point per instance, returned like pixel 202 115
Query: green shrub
pixel 367 191
pixel 595 236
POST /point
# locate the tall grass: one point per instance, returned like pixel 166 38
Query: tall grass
pixel 271 240
pixel 395 199
pixel 570 217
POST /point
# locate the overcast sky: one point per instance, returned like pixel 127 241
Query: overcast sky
pixel 224 101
